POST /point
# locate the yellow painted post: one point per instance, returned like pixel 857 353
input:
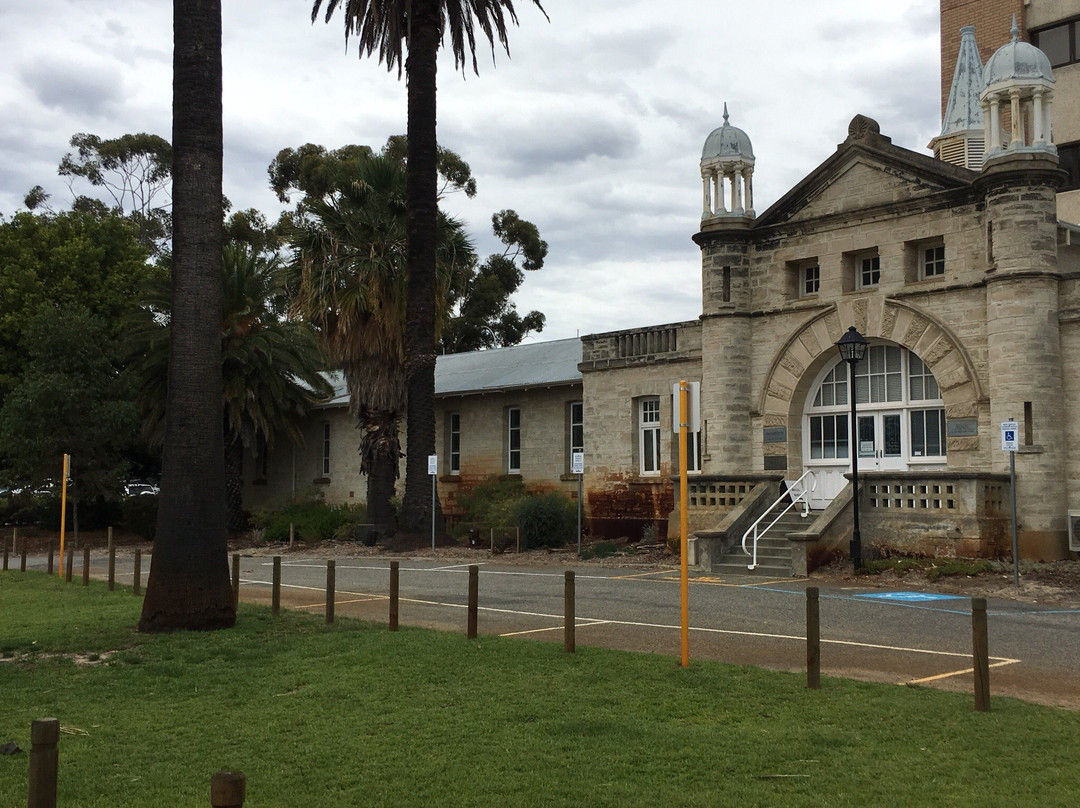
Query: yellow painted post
pixel 684 568
pixel 63 510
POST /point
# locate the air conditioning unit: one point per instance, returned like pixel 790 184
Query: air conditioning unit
pixel 1074 531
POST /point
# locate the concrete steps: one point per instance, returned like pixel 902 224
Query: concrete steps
pixel 773 553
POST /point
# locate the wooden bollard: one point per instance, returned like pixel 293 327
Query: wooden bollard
pixel 394 576
pixel 568 612
pixel 22 558
pixel 275 590
pixel 474 591
pixel 981 651
pixel 228 790
pixel 86 566
pixel 813 639
pixel 236 581
pixel 112 562
pixel 44 762
pixel 137 576
pixel 5 553
pixel 331 584
pixel 52 552
pixel 70 562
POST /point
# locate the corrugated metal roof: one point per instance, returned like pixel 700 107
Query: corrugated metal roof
pixel 538 364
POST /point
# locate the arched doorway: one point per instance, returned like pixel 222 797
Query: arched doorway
pixel 901 419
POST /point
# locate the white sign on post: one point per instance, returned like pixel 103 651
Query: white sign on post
pixel 693 398
pixel 432 464
pixel 577 463
pixel 1009 436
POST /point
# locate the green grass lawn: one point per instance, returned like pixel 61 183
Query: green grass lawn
pixel 354 715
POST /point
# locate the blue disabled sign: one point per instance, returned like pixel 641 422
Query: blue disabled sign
pixel 908 597
pixel 1009 440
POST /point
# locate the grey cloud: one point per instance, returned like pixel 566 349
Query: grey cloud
pixel 78 89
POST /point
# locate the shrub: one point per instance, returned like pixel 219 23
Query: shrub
pixel 545 520
pixel 313 521
pixel 139 516
pixel 492 501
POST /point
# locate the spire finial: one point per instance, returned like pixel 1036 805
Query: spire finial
pixel 1015 31
pixel 725 113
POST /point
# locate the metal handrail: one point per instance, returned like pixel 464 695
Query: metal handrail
pixel 802 496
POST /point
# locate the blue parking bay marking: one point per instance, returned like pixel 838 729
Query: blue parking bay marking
pixel 909 597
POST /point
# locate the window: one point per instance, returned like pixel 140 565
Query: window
pixel 577 428
pixel 693 452
pixel 928 433
pixel 829 436
pixel 1059 42
pixel 869 269
pixel 325 449
pixel 454 434
pixel 513 440
pixel 1069 162
pixel 879 377
pixel 649 435
pixel 933 261
pixel 921 381
pixel 810 279
pixel 834 387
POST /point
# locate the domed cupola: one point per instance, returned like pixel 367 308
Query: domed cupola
pixel 727 172
pixel 1018 78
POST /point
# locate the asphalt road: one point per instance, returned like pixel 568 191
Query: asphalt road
pixel 902 637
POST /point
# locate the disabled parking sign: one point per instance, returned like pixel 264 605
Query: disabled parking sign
pixel 1009 432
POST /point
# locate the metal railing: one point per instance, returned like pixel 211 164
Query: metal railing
pixel 798 492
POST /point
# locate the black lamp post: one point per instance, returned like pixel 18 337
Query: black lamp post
pixel 852 347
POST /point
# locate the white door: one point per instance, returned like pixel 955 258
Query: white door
pixel 881 442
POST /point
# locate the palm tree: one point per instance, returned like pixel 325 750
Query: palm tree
pixel 189 585
pixel 414 29
pixel 270 366
pixel 348 280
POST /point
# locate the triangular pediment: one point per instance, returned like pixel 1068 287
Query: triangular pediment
pixel 867 173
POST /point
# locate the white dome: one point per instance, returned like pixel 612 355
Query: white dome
pixel 1017 60
pixel 727 141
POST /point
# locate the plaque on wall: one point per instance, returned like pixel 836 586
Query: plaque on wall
pixel 774 434
pixel 962 427
pixel 775 462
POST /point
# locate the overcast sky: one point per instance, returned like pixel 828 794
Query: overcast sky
pixel 592 128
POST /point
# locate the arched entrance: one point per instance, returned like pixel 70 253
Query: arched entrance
pixel 901 419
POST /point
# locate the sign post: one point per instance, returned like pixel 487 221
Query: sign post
pixel 684 418
pixel 577 466
pixel 433 470
pixel 1010 443
pixel 63 509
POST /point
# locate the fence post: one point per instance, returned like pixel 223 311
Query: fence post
pixel 70 562
pixel 44 762
pixel 236 581
pixel 137 577
pixel 980 650
pixel 474 580
pixel 228 790
pixel 568 612
pixel 112 561
pixel 331 584
pixel 394 575
pixel 49 568
pixel 813 639
pixel 86 565
pixel 22 558
pixel 275 590
pixel 5 553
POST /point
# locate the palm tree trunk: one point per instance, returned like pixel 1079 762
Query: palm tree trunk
pixel 189 585
pixel 422 213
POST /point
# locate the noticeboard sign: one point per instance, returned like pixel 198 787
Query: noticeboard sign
pixel 1010 431
pixel 433 464
pixel 577 463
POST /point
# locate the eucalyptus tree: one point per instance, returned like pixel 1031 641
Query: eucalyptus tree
pixel 407 35
pixel 349 280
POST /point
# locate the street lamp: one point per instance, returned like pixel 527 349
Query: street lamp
pixel 852 347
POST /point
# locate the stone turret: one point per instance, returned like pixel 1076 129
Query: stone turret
pixel 727 173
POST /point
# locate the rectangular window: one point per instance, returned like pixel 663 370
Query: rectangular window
pixel 811 279
pixel 933 261
pixel 928 433
pixel 828 436
pixel 693 452
pixel 577 429
pixel 649 435
pixel 513 440
pixel 869 268
pixel 454 432
pixel 1069 162
pixel 922 385
pixel 879 377
pixel 1059 42
pixel 325 449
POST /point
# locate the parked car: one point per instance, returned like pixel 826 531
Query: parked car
pixel 139 488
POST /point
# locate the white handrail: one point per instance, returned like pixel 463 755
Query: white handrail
pixel 800 495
